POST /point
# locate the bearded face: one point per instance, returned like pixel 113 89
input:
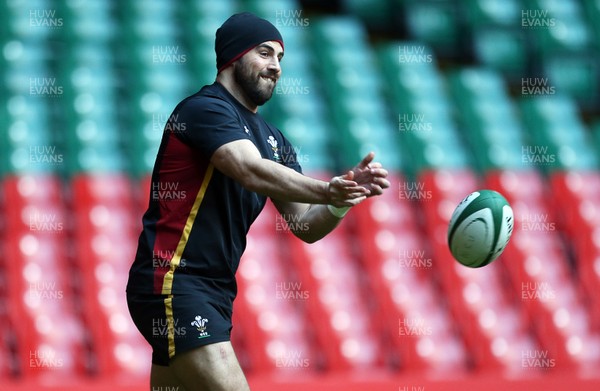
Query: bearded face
pixel 257 84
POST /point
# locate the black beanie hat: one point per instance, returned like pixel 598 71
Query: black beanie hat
pixel 241 33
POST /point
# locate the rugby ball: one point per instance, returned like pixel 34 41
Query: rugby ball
pixel 480 228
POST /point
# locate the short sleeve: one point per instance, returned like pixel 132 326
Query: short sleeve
pixel 289 157
pixel 207 123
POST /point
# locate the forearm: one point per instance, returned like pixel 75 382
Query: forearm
pixel 314 224
pixel 281 183
pixel 241 161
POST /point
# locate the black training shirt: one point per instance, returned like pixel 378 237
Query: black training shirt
pixel 194 231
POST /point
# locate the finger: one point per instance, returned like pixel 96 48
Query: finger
pixel 352 202
pixel 339 182
pixel 376 190
pixel 352 192
pixel 350 188
pixel 379 172
pixel 375 165
pixel 357 201
pixel 366 160
pixel 382 182
pixel 352 196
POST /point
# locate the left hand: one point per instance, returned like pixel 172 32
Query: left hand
pixel 371 176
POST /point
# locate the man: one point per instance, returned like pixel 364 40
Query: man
pixel 217 163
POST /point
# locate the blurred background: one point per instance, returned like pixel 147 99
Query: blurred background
pixel 452 96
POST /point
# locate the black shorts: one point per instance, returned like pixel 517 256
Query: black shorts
pixel 177 323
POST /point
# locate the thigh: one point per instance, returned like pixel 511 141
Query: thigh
pixel 162 378
pixel 211 367
pixel 175 324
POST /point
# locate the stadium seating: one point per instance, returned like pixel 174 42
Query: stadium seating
pixel 269 307
pixel 451 95
pixel 415 326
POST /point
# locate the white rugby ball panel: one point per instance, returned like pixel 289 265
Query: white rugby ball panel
pixel 459 209
pixel 506 229
pixel 480 228
pixel 473 237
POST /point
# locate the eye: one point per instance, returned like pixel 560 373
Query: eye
pixel 264 54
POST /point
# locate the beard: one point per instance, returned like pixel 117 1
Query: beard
pixel 256 88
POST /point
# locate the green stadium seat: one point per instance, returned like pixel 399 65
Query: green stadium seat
pixel 504 49
pixel 434 23
pixel 353 88
pixel 91 21
pixel 488 117
pixel 557 25
pixel 558 136
pixel 338 30
pixel 376 14
pixel 423 113
pixel 595 129
pixel 576 74
pixel 592 13
pixel 282 13
pixel 26 139
pixel 494 12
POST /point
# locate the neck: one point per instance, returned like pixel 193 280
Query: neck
pixel 227 80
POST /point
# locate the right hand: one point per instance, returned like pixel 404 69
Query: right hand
pixel 344 191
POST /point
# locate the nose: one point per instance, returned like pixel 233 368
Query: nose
pixel 274 65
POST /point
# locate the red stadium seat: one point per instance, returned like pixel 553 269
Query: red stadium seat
pixel 269 306
pixel 539 269
pixel 50 337
pixel 577 200
pixel 41 306
pixel 338 309
pixel 417 331
pixel 491 325
pixel 106 237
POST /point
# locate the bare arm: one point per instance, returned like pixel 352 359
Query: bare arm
pixel 308 222
pixel 242 161
pixel 313 222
